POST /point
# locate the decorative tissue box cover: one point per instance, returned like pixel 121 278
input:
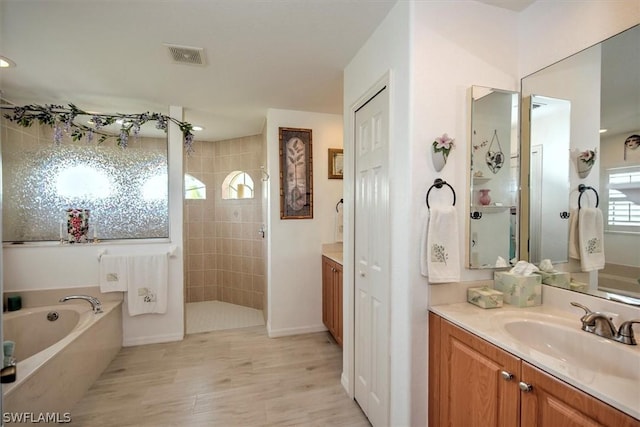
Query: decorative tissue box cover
pixel 522 291
pixel 484 297
pixel 560 279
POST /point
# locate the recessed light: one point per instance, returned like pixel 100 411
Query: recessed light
pixel 603 130
pixel 6 62
pixel 197 128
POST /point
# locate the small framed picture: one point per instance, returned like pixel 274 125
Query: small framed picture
pixel 336 163
pixel 296 173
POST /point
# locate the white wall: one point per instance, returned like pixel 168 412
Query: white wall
pixel 294 273
pixel 552 30
pixel 68 266
pixel 434 51
pixel 386 51
pixel 455 45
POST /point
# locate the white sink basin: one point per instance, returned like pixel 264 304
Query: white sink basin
pixel 563 340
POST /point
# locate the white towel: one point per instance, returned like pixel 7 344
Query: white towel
pixel 113 273
pixel 442 245
pixel 148 283
pixel 591 237
pixel 574 242
pixel 339 224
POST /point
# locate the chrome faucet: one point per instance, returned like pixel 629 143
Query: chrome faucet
pixel 601 324
pixel 96 306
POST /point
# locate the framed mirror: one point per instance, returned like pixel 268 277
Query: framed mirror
pixel 493 213
pixel 598 93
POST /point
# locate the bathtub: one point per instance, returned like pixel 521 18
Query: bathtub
pixel 59 360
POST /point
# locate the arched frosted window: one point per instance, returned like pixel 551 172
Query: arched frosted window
pixel 194 188
pixel 237 185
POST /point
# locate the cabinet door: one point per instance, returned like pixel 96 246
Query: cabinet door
pixel 327 293
pixel 553 403
pixel 473 392
pixel 337 308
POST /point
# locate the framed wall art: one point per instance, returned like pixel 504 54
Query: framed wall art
pixel 336 163
pixel 296 173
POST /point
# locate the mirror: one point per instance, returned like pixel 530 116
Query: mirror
pixel 492 221
pixel 549 135
pixel 597 92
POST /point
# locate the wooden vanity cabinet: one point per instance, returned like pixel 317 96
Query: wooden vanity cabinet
pixel 552 402
pixel 474 383
pixel 473 388
pixel 332 297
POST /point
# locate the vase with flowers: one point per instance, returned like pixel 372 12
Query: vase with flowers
pixel 586 160
pixel 442 146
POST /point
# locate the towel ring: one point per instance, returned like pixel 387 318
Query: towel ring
pixel 438 183
pixel 582 188
pixel 338 204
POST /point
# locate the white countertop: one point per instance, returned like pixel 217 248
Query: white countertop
pixel 621 393
pixel 333 251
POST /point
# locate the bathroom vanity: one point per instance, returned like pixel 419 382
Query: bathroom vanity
pixel 332 293
pixel 482 373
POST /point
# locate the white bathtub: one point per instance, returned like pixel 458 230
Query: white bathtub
pixel 58 361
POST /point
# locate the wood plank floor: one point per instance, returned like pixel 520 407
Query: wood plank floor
pixel 234 377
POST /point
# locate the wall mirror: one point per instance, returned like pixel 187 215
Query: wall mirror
pixel 588 101
pixel 493 213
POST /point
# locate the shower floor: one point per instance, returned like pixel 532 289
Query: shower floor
pixel 208 316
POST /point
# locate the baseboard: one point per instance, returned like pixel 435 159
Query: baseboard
pixel 345 382
pixel 155 339
pixel 283 332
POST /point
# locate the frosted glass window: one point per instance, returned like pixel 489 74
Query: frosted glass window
pixel 126 190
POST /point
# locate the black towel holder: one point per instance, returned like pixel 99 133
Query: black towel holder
pixel 582 188
pixel 439 183
pixel 338 204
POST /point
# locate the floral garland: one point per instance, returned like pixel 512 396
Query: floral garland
pixel 62 120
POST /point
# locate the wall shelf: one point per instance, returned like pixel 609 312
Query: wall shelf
pixel 489 208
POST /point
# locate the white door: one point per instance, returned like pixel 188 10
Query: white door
pixel 372 258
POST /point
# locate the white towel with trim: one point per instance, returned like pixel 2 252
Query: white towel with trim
pixel 148 284
pixel 591 238
pixel 113 273
pixel 574 242
pixel 442 245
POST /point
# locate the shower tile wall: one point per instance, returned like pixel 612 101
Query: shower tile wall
pixel 223 253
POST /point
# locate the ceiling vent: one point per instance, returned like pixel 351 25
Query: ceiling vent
pixel 186 54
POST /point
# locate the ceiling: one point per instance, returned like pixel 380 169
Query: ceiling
pixel 111 55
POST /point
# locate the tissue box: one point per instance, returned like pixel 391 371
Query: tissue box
pixel 522 291
pixel 484 297
pixel 560 279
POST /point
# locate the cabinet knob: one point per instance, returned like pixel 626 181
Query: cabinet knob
pixel 507 376
pixel 525 387
pixel 362 274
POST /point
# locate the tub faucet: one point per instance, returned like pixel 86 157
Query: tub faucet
pixel 96 306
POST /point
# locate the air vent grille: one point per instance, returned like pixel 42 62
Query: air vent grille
pixel 186 54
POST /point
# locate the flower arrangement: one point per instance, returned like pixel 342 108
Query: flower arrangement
pixel 62 120
pixel 588 157
pixel 443 144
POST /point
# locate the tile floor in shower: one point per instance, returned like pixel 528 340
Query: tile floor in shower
pixel 218 315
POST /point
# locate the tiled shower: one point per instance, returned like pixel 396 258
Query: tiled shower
pixel 224 257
